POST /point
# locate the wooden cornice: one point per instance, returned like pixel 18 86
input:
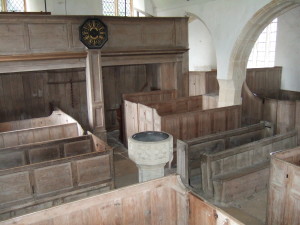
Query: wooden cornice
pixel 144 52
pixel 73 55
pixel 43 56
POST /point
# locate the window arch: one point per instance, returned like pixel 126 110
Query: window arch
pixel 263 51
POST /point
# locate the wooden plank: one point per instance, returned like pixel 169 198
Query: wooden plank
pixel 53 178
pixel 285 116
pixel 12 159
pixel 93 170
pixel 145 118
pixel 252 107
pixel 15 187
pixel 77 148
pixel 43 154
pixel 297 120
pixel 265 81
pixel 201 213
pixel 131 119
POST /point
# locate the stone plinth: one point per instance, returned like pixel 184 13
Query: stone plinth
pixel 150 150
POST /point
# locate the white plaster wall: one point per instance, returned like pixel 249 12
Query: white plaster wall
pixel 202 55
pixel 288 49
pixel 66 7
pixel 224 18
pixel 139 4
pixel 145 5
pixel 80 7
pixel 35 5
pixel 150 8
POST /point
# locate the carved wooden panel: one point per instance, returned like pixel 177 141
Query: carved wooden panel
pixel 93 170
pixel 53 178
pixel 48 36
pixel 17 185
pixel 12 37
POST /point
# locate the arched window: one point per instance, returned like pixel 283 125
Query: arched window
pixel 117 7
pixel 13 6
pixel 263 51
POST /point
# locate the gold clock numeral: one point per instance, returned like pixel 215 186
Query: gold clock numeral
pixel 93 33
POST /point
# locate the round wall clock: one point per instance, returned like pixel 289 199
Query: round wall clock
pixel 93 33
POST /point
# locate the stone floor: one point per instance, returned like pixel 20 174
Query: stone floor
pixel 251 211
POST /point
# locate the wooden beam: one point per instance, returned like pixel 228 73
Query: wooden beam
pixel 43 56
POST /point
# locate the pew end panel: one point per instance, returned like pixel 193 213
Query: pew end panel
pixel 55 172
pixel 164 201
pixel 57 126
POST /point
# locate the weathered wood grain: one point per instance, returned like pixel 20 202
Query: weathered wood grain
pixel 283 197
pixel 56 126
pixel 189 152
pixel 222 170
pixel 184 118
pixel 162 201
pixel 48 173
pixel 265 82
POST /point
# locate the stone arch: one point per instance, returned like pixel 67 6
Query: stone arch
pixel 230 90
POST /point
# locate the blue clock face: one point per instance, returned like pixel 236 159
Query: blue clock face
pixel 93 33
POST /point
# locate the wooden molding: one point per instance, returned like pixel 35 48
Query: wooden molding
pixel 43 56
pixel 144 52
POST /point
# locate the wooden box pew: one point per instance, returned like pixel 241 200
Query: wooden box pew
pixel 41 175
pixel 57 125
pixel 152 96
pixel 284 188
pixel 189 152
pixel 163 201
pixel 184 118
pixel 240 171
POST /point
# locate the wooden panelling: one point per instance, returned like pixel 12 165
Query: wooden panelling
pixel 252 107
pixel 13 37
pixel 162 201
pixel 265 82
pixel 297 120
pixel 191 151
pixel 202 213
pixel 223 170
pixel 197 83
pixel 120 80
pixel 289 95
pixel 284 189
pixel 39 134
pixel 39 33
pixel 153 96
pixel 50 178
pixel 284 114
pixel 17 185
pixel 53 178
pixel 43 154
pixel 30 94
pixel 203 82
pixel 30 33
pixel 181 117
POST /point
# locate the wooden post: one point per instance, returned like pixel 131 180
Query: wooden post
pixel 95 93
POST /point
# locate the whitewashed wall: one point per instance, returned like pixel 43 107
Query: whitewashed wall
pixel 66 7
pixel 202 54
pixel 288 49
pixel 224 18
